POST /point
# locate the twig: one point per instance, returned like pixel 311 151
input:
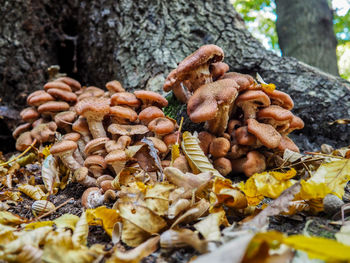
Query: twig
pixel 180 127
pixel 294 164
pixel 53 210
pixel 19 156
pixel 324 154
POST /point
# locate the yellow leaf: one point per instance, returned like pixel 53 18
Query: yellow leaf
pixel 334 175
pixel 268 87
pixel 81 231
pixel 6 234
pixel 284 176
pixel 157 198
pixel 7 218
pixel 343 236
pixel 33 192
pixel 227 194
pixel 104 217
pixel 46 151
pixel 209 226
pixel 132 235
pixel 195 156
pixel 36 225
pixel 50 173
pixel 175 152
pixel 66 221
pixel 321 248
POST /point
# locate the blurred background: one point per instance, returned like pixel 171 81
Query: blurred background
pixel 297 24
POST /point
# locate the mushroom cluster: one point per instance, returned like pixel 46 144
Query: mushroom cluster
pixel 99 129
pixel 245 121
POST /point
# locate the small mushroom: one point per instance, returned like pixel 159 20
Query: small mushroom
pixel 213 103
pixel 29 114
pixel 102 178
pixel 81 126
pixel 281 99
pixel 122 115
pixel 75 137
pixel 265 133
pixel 96 146
pixel 94 109
pixel 65 119
pixel 150 113
pixel 44 132
pixel 218 69
pixel 92 197
pixel 117 159
pixel 243 137
pixel 114 86
pixel 223 165
pixel 51 108
pixel 125 99
pixel 250 101
pixel 90 92
pixel 64 150
pixel 287 143
pixel 172 138
pixel 181 164
pixel 244 81
pixel 96 164
pixel 161 126
pixel 74 84
pixel 219 147
pixel 39 97
pixel 81 176
pixel 253 163
pixel 205 139
pixel 295 124
pixel 121 129
pixel 193 71
pixel 151 98
pixel 24 141
pixel 63 95
pixel 276 116
pixel 57 85
pixel 20 129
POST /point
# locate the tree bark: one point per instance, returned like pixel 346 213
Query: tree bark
pixel 305 31
pixel 139 42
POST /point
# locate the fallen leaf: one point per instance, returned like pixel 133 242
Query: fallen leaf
pixel 50 173
pixel 7 218
pixel 227 194
pixel 104 217
pixel 157 198
pixel 33 192
pixel 343 236
pixel 81 231
pixel 66 221
pixel 209 226
pixel 132 235
pixel 195 156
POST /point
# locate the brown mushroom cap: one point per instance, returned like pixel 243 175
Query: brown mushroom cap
pixel 250 100
pixel 287 143
pixel 65 119
pixel 114 86
pixel 265 133
pixel 223 165
pixel 161 126
pixel 150 113
pixel 159 144
pixel 53 107
pixel 295 124
pixel 243 137
pixel 74 84
pixel 103 178
pixel 44 132
pixel 72 136
pixel 129 130
pixel 205 55
pixel 204 103
pixel 24 141
pixel 238 151
pixel 151 98
pixel 123 113
pixel 20 129
pixel 172 138
pixel 182 164
pixel 93 108
pixel 91 92
pixel 39 97
pixel 63 95
pixel 95 145
pixel 88 196
pixel 38 122
pixel 29 114
pixel 244 81
pixel 276 116
pixel 57 85
pixel 95 160
pixel 253 163
pixel 205 139
pixel 218 69
pixel 63 146
pixel 125 98
pixel 116 156
pixel 281 99
pixel 219 147
pixel 81 126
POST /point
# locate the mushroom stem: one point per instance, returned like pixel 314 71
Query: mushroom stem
pixel 199 77
pixel 77 156
pixel 181 93
pixel 69 161
pixel 96 128
pixel 249 110
pixel 81 146
pixel 218 125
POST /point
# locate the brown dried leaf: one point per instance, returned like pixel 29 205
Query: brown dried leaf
pixel 209 226
pixel 157 198
pixel 132 235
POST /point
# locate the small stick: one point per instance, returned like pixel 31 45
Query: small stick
pixel 180 127
pixel 53 210
pixel 19 156
pixel 324 154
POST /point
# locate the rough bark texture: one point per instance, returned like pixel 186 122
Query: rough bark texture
pixel 139 42
pixel 305 31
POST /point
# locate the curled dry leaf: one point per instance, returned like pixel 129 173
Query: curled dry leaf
pixel 136 254
pixel 177 207
pixel 50 173
pixel 174 238
pixel 196 211
pixel 132 235
pixel 7 218
pixel 195 156
pixel 125 177
pixel 34 192
pixel 209 226
pixel 42 206
pixel 117 232
pixel 66 221
pixel 81 232
pixel 154 154
pixel 157 198
pixel 103 216
pixel 142 216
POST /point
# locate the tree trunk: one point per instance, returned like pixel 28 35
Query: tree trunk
pixel 139 42
pixel 305 31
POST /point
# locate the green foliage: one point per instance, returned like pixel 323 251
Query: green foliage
pixel 174 106
pixel 342 27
